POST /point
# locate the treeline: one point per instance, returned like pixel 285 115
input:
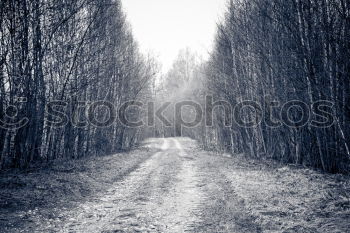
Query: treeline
pixel 182 83
pixel 286 50
pixel 67 51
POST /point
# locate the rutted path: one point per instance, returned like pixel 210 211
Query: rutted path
pixel 162 195
pixel 181 188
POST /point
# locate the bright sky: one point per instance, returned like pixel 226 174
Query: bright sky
pixel 163 27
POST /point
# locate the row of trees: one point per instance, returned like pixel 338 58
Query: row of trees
pixel 287 50
pixel 271 52
pixel 70 51
pixel 183 82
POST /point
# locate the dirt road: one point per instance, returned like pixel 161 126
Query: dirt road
pixel 169 192
pixel 181 188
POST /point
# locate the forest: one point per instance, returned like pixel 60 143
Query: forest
pixel 98 134
pixel 272 52
pixel 82 51
pixel 66 53
pixel 294 49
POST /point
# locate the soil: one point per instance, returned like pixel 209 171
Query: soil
pixel 171 185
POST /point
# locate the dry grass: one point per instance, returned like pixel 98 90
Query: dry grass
pixel 60 185
pixel 289 199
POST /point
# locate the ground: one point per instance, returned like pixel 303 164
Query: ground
pixel 171 185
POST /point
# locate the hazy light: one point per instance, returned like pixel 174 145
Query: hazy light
pixel 163 27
